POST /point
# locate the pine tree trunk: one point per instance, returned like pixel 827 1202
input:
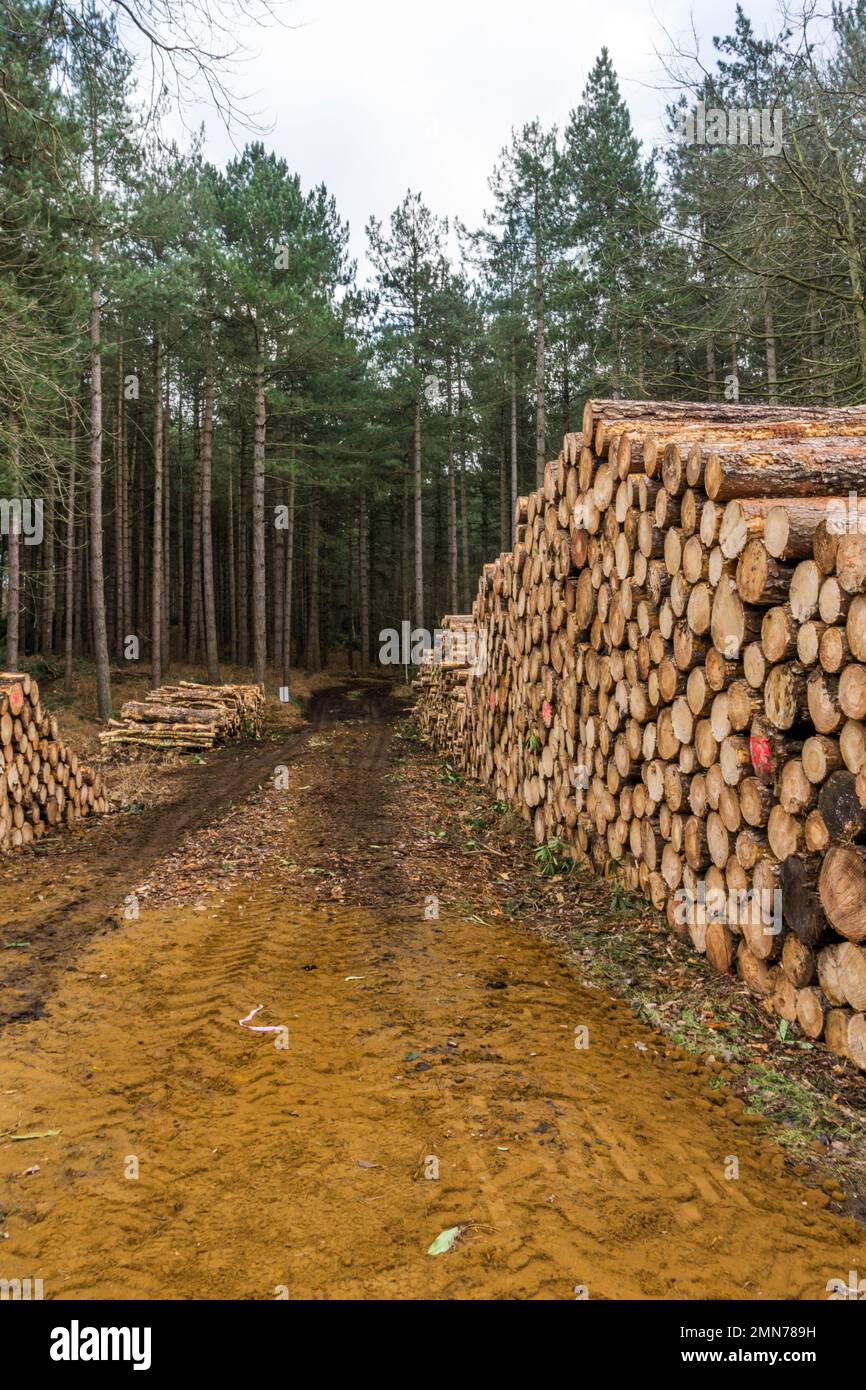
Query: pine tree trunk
pixel 641 363
pixel 405 549
pixel 513 437
pixel 232 576
pixel 363 582
pixel 830 380
pixel 141 588
pixel 770 349
pixel 70 555
pixel 818 392
pixel 419 516
pixel 119 509
pixel 452 505
pixel 195 605
pixel 504 526
pixel 314 655
pixel 156 574
pixel 464 509
pixel 97 579
pixel 712 376
pixel 180 563
pixel 259 618
pixel 165 642
pixel 128 596
pixel 79 624
pixel 211 648
pixel 13 548
pixel 243 573
pixel 616 371
pixel 287 594
pixel 708 301
pixel 540 419
pixel 278 561
pixel 46 635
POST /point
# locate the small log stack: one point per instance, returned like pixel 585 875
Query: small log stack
pixel 673 683
pixel 188 716
pixel 42 783
pixel 442 676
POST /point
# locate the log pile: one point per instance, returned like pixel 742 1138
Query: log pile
pixel 188 716
pixel 674 684
pixel 442 676
pixel 42 783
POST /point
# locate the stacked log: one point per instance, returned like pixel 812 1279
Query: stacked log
pixel 188 716
pixel 42 783
pixel 442 677
pixel 674 684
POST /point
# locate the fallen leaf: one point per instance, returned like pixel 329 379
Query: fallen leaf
pixel 445 1241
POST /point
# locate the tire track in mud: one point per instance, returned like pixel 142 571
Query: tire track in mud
pixel 57 897
pixel 261 1169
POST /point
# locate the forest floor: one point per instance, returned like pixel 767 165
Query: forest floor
pixel 431 987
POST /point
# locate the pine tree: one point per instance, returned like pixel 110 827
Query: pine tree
pixel 610 207
pixel 523 186
pixel 407 263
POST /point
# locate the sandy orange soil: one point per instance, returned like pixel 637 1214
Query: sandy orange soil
pixel 427 1077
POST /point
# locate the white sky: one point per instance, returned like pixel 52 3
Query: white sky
pixel 373 97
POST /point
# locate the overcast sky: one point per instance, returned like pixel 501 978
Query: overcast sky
pixel 373 97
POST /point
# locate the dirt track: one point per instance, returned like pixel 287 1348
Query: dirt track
pixel 303 1168
pixel 57 897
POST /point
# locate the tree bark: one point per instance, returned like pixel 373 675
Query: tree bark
pixel 513 508
pixel 278 583
pixel 119 510
pixel 419 517
pixel 156 575
pixel 181 559
pixel 70 555
pixel 364 582
pixel 13 547
pixel 504 494
pixel 233 611
pixel 770 350
pixel 165 640
pixel 243 554
pixel 314 656
pixel 259 619
pixel 287 595
pixel 452 504
pixel 195 605
pixel 540 420
pixel 140 596
pixel 464 510
pixel 211 646
pixel 97 579
pixel 46 634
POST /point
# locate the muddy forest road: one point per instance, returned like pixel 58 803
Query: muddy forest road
pixel 428 1076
